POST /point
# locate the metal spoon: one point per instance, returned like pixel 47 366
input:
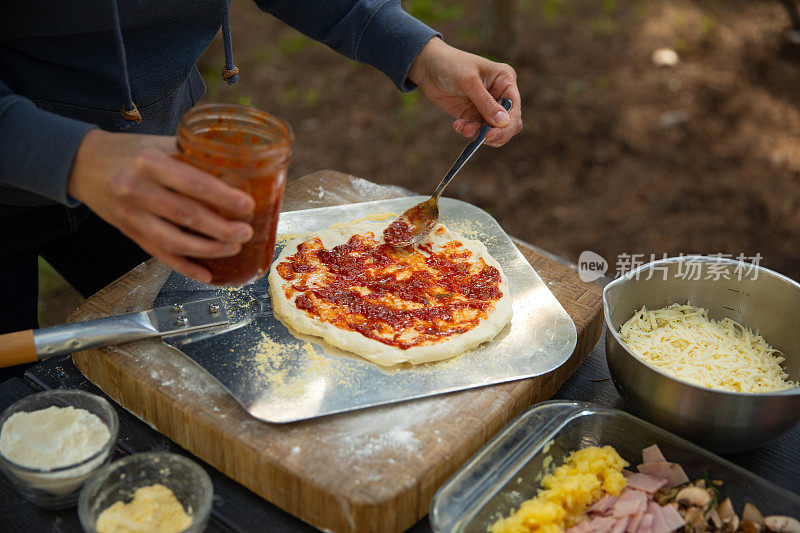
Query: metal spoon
pixel 417 222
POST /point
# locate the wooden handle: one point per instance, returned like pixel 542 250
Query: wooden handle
pixel 17 348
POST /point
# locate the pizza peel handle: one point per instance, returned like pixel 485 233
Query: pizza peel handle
pixel 417 222
pixel 17 348
pixel 178 319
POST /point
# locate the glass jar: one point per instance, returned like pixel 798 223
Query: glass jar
pixel 250 150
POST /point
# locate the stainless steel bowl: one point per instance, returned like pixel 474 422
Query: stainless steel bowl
pixel 758 298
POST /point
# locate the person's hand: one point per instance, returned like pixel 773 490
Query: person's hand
pixel 467 87
pixel 167 207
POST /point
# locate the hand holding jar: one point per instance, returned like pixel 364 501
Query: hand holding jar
pixel 185 214
pixel 250 150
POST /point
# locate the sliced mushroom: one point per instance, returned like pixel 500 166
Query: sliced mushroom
pixel 693 496
pixel 752 514
pixel 783 524
pixel 726 510
pixel 749 526
pixel 693 516
pixel 701 483
pixel 664 495
pixel 732 525
pixel 713 516
pixel 694 520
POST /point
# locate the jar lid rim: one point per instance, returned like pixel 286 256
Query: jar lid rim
pixel 232 110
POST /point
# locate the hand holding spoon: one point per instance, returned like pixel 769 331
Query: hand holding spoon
pixel 417 222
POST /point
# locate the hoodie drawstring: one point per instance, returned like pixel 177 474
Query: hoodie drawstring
pixel 129 111
pixel 230 72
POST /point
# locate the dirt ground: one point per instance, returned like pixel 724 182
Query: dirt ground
pixel 618 155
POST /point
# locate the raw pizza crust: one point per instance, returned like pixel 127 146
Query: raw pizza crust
pixel 374 350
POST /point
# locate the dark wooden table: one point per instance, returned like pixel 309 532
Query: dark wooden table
pixel 238 509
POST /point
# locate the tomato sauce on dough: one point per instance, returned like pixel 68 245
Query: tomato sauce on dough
pixel 400 297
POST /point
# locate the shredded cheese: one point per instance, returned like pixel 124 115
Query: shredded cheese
pixel 682 341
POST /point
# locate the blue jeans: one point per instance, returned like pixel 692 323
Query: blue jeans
pixel 83 248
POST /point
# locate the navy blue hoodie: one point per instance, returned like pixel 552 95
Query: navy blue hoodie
pixel 63 71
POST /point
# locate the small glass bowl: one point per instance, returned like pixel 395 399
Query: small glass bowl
pixel 119 480
pixel 58 488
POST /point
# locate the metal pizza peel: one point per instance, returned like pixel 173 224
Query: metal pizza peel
pixel 197 318
pixel 278 375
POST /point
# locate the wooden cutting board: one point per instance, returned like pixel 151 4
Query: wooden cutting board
pixel 371 470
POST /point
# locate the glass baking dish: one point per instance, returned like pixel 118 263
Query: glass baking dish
pixel 507 471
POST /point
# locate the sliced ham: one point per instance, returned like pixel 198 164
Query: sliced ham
pixel 672 517
pixel 602 505
pixel 630 503
pixel 626 508
pixel 634 493
pixel 601 524
pixel 621 524
pixel 646 526
pixel 659 524
pixel 582 527
pixel 652 454
pixel 626 473
pixel 672 472
pixel 635 521
pixel 646 482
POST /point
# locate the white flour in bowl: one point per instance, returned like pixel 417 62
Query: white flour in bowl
pixel 52 438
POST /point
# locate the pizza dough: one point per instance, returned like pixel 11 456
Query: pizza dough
pixel 496 315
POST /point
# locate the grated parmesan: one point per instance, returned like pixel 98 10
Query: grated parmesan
pixel 682 341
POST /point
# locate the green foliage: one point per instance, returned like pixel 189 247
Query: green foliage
pixel 310 97
pixel 469 32
pixel 409 106
pixel 609 7
pixel 433 12
pixel 604 26
pixel 56 296
pixel 262 55
pixel 682 46
pixel 405 115
pixel 602 81
pixel 291 43
pixel 210 72
pixel 707 24
pixel 303 96
pixel 551 9
pixel 210 76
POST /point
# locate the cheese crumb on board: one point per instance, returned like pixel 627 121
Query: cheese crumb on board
pixel 153 509
pixel 682 341
pixel 54 437
pixel 585 476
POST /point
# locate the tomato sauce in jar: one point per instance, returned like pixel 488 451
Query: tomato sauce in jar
pixel 250 150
